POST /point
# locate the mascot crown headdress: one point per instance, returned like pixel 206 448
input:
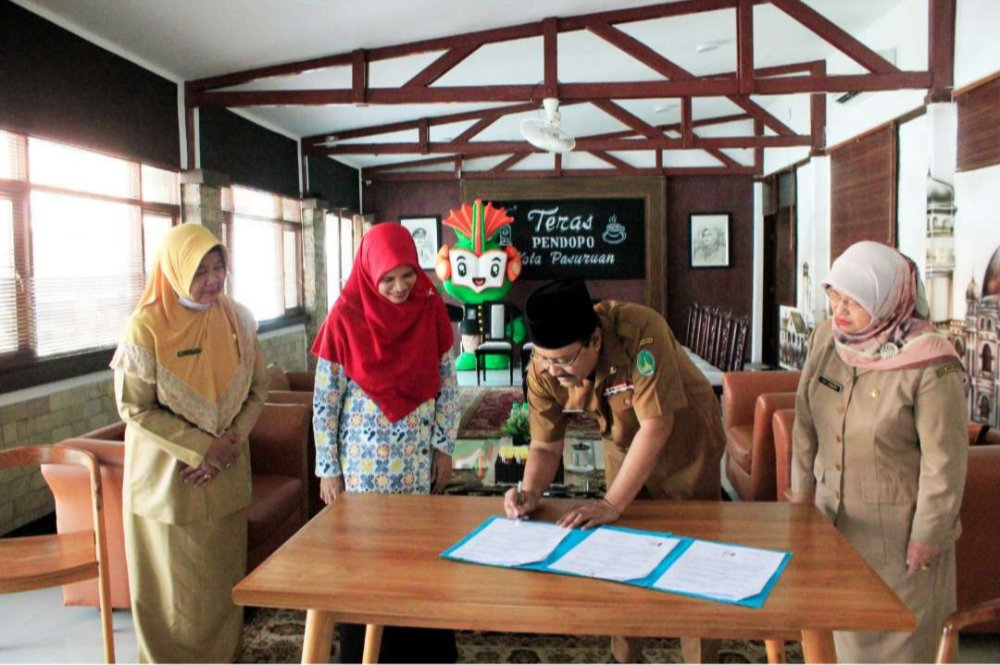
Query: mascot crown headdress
pixel 476 224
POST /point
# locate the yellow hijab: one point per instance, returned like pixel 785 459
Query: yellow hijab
pixel 201 348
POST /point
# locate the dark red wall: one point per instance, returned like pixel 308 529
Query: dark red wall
pixel 727 288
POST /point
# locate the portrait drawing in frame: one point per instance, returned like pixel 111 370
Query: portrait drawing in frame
pixel 710 240
pixel 426 233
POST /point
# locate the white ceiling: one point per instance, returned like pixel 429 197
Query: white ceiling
pixel 191 39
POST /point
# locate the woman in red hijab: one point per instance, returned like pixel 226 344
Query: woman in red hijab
pixel 385 408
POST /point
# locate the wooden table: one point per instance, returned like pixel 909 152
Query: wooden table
pixel 373 559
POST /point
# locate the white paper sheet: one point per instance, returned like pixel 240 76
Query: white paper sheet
pixel 506 542
pixel 727 572
pixel 611 554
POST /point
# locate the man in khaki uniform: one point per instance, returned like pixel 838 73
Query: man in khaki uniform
pixel 619 364
pixel 884 453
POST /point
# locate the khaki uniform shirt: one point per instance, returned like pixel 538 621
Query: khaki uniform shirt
pixel 159 444
pixel 885 451
pixel 642 373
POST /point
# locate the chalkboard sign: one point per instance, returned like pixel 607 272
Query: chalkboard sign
pixel 593 239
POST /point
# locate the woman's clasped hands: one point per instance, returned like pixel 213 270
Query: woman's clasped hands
pixel 221 455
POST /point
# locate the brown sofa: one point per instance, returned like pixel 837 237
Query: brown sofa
pixel 279 506
pixel 749 399
pixel 297 388
pixel 975 551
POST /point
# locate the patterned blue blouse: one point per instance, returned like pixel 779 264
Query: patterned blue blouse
pixel 356 440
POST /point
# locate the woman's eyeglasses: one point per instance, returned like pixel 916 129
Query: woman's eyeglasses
pixel 556 362
pixel 837 299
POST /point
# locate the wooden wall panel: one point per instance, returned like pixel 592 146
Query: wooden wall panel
pixel 863 190
pixel 979 126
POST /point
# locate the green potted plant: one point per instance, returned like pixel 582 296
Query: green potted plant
pixel 518 426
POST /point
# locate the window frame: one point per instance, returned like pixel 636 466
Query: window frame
pixel 291 316
pixel 23 367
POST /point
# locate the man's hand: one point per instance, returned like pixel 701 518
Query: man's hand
pixel 440 471
pixel 330 489
pixel 518 508
pixel 589 515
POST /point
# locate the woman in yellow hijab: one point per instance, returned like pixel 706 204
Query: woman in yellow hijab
pixel 190 380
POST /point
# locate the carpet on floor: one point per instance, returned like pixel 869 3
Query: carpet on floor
pixel 275 636
pixel 485 410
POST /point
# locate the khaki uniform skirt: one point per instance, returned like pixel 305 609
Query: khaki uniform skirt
pixel 181 578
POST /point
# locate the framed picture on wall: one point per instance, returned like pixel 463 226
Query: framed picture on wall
pixel 426 232
pixel 710 240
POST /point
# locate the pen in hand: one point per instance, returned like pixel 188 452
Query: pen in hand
pixel 520 498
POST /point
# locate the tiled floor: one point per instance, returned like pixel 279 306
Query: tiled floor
pixel 36 628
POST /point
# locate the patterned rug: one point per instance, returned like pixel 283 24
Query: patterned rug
pixel 275 636
pixel 484 410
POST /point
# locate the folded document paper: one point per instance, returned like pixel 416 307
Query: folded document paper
pixel 715 571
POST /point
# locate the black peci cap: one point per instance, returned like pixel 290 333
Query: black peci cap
pixel 560 313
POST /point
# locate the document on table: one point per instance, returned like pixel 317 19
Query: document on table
pixel 505 542
pixel 717 570
pixel 614 554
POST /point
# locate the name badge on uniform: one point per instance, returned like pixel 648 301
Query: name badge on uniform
pixel 947 369
pixel 617 389
pixel 832 385
pixel 189 352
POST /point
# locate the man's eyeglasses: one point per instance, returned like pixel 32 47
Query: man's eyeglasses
pixel 556 362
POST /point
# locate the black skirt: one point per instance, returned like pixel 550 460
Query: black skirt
pixel 399 645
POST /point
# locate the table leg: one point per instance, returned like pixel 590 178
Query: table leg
pixel 373 642
pixel 318 638
pixel 775 651
pixel 817 646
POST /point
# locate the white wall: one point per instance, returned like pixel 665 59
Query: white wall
pixel 977 47
pixel 813 229
pixel 912 194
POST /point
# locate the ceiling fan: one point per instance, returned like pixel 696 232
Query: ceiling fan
pixel 548 134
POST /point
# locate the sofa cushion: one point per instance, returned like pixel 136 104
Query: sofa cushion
pixel 739 445
pixel 278 379
pixel 274 499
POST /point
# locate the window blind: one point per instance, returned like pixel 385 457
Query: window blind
pixel 77 238
pixel 863 188
pixel 979 127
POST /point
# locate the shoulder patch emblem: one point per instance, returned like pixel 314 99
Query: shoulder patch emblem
pixel 645 363
pixel 645 341
pixel 954 367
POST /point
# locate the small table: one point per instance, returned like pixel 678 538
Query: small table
pixel 711 372
pixel 374 559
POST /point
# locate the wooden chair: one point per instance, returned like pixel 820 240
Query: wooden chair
pixel 43 561
pixel 739 345
pixel 981 613
pixel 496 343
pixel 694 312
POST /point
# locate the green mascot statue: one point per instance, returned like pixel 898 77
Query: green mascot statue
pixel 478 272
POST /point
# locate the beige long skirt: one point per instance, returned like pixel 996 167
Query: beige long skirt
pixel 181 579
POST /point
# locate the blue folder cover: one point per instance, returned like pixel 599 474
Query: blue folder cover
pixel 577 536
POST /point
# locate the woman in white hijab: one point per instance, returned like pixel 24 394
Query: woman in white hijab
pixel 880 442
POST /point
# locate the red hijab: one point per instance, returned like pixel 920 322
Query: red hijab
pixel 392 351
